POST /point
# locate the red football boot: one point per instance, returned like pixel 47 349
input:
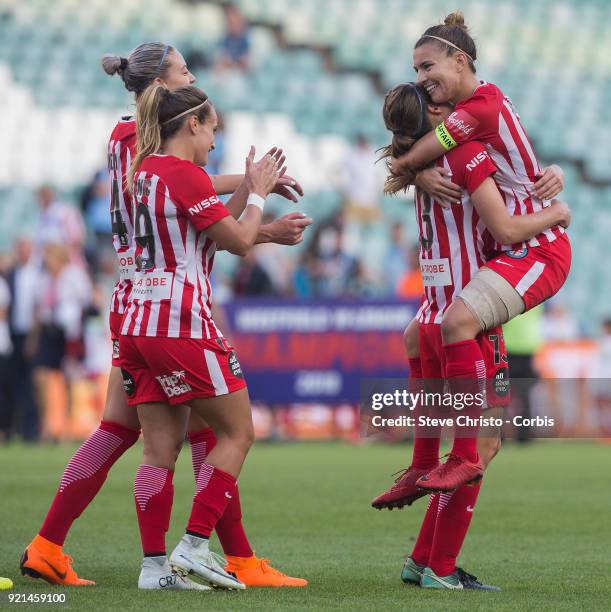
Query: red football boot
pixel 452 474
pixel 403 492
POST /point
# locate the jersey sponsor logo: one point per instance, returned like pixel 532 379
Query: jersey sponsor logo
pixel 234 365
pixel 478 159
pixel 447 142
pixel 127 265
pixel 518 253
pixel 174 384
pixel 501 382
pixel 436 272
pixel 129 384
pixel 462 122
pixel 115 349
pixel 152 286
pixel 194 210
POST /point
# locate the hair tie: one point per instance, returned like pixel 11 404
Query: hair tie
pixel 165 52
pixel 189 110
pixel 421 129
pixel 123 64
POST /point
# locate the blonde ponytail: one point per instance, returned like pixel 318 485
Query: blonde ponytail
pixel 148 128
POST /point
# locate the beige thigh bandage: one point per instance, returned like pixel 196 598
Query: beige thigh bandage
pixel 491 299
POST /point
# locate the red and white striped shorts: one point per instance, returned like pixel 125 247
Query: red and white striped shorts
pixel 176 370
pixel 536 273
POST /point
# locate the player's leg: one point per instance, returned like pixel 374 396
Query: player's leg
pixel 163 430
pixel 241 560
pixel 230 418
pixel 425 455
pixel 455 508
pixel 83 477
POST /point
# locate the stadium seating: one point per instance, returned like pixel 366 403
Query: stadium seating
pixel 58 104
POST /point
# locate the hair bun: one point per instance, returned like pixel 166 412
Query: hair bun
pixel 456 19
pixel 111 64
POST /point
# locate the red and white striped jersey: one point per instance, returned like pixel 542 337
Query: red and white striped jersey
pixel 489 117
pixel 454 242
pixel 121 148
pixel 174 203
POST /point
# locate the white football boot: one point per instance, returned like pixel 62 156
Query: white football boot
pixel 156 573
pixel 193 556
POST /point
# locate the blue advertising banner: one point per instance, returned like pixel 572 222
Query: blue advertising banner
pixel 297 351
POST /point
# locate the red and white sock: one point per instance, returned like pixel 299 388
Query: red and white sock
pixel 84 476
pixel 215 489
pixel 424 542
pixel 426 439
pixel 153 494
pixel 466 373
pixel 455 512
pixel 229 527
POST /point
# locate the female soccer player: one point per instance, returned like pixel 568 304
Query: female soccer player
pixel 87 470
pixel 525 273
pixel 173 356
pixel 455 242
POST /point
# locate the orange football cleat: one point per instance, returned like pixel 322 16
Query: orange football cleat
pixel 255 572
pixel 46 560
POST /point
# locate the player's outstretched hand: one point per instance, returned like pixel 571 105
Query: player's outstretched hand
pixel 436 182
pixel 550 182
pixel 565 211
pixel 289 228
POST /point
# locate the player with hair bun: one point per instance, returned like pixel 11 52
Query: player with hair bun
pixel 455 242
pixel 86 472
pixel 523 273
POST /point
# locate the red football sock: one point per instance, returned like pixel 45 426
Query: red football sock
pixel 84 476
pixel 229 527
pixel 466 373
pixel 153 494
pixel 426 439
pixel 215 489
pixel 454 516
pixel 424 542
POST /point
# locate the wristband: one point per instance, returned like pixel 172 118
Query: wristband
pixel 256 200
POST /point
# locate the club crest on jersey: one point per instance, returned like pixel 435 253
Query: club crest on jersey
pixel 518 253
pixel 174 384
pixel 129 384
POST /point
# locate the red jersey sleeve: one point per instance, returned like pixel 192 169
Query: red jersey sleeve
pixel 477 118
pixel 194 194
pixel 470 165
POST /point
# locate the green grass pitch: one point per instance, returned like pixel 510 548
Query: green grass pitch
pixel 541 530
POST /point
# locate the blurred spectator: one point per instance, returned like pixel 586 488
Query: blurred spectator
pixel 251 279
pixel 523 338
pixel 333 268
pixel 23 281
pixel 395 264
pixel 216 157
pixel 64 291
pixel 95 204
pixel 361 187
pixel 6 414
pixel 59 222
pixel 410 286
pixel 235 44
pixel 302 276
pixel 558 323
